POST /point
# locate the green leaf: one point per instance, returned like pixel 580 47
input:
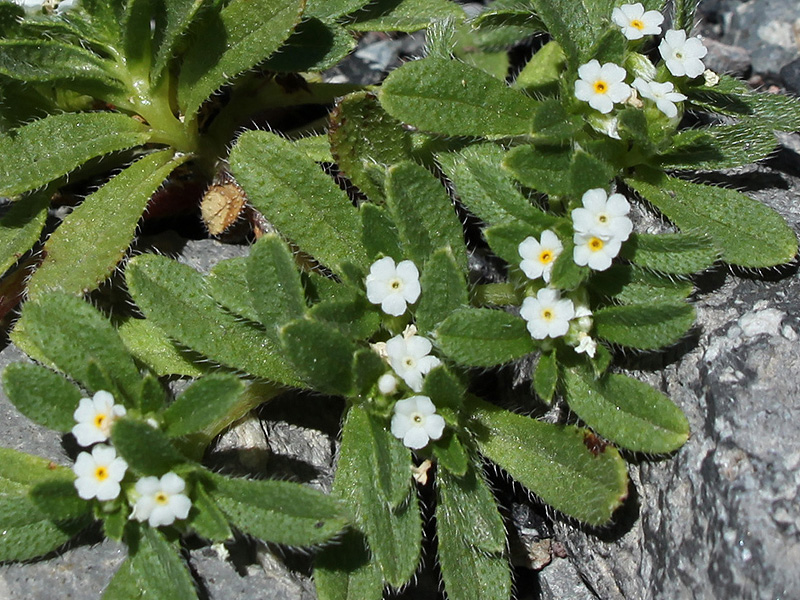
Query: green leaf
pixel 575 24
pixel 321 355
pixel 644 326
pixel 176 299
pixel 553 462
pixel 69 334
pixel 150 345
pixel 423 213
pixel 227 283
pixel 629 284
pixel 558 171
pixel 293 193
pixel 173 26
pixel 50 61
pixel 504 239
pixel 683 14
pixel 240 36
pixel 545 376
pixel 314 46
pixel 628 412
pixel 472 540
pixel 487 190
pixel 38 536
pixel 279 511
pixel 747 233
pixel 209 521
pixel 450 454
pixel 147 451
pixel 19 471
pixel 332 9
pixel 76 258
pixel 482 337
pixel 673 253
pixel 42 395
pixel 154 569
pixel 354 317
pixel 203 403
pixel 48 148
pixel 445 290
pixel 21 227
pixel 276 292
pixel 402 15
pixel 153 396
pixel 380 235
pixel 452 98
pixel 542 73
pixel 373 477
pixel 360 156
pixel 346 570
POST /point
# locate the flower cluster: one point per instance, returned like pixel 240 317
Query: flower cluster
pixel 600 228
pixel 100 472
pixel 603 86
pixel 394 287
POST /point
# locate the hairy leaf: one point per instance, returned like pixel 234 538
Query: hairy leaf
pixel 42 395
pixel 205 402
pixel 402 15
pixel 673 253
pixel 314 46
pixel 21 227
pixel 445 290
pixel 321 355
pixel 482 337
pixel 645 326
pixel 274 285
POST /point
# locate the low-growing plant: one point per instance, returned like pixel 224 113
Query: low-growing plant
pixel 377 290
pixel 110 99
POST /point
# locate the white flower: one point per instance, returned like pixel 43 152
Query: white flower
pixel 583 315
pixel 601 86
pixel 547 314
pixel 393 287
pixel 95 416
pixel 99 473
pixel 538 256
pixel 161 501
pixel 683 56
pixel 415 422
pixel 387 384
pixel 602 215
pixel 635 22
pixel 586 344
pixel 663 94
pixel 409 357
pixel 594 251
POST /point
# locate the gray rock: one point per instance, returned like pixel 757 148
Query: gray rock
pixel 720 519
pixel 790 76
pixel 723 58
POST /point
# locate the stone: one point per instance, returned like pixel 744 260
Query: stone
pixel 790 76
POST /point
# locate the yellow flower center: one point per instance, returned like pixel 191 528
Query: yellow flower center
pixel 546 256
pixel 596 244
pixel 101 473
pixel 99 420
pixel 600 87
pixel 395 284
pixel 409 362
pixel 417 418
pixel 602 218
pixel 548 314
pixel 637 24
pixel 161 498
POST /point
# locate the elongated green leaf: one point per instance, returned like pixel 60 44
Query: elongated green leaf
pixel 147 451
pixel 423 213
pixel 747 233
pixel 487 190
pixel 227 283
pixel 676 254
pixel 373 477
pixel 361 157
pixel 76 258
pixel 644 326
pixel 293 193
pixel 202 403
pixel 53 61
pixel 482 337
pixel 553 462
pixel 472 539
pixel 243 34
pixel 172 26
pixel 314 46
pixel 629 284
pixel 379 233
pixel 452 98
pixel 154 569
pixel 42 395
pixel 274 283
pixel 628 412
pixel 332 9
pixel 279 511
pixel 151 346
pixel 21 227
pixel 209 522
pixel 558 171
pixel 445 290
pixel 402 15
pixel 38 536
pixel 19 471
pixel 321 355
pixel 69 334
pixel 347 571
pixel 48 148
pixel 176 299
pixel 545 376
pixel 575 24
